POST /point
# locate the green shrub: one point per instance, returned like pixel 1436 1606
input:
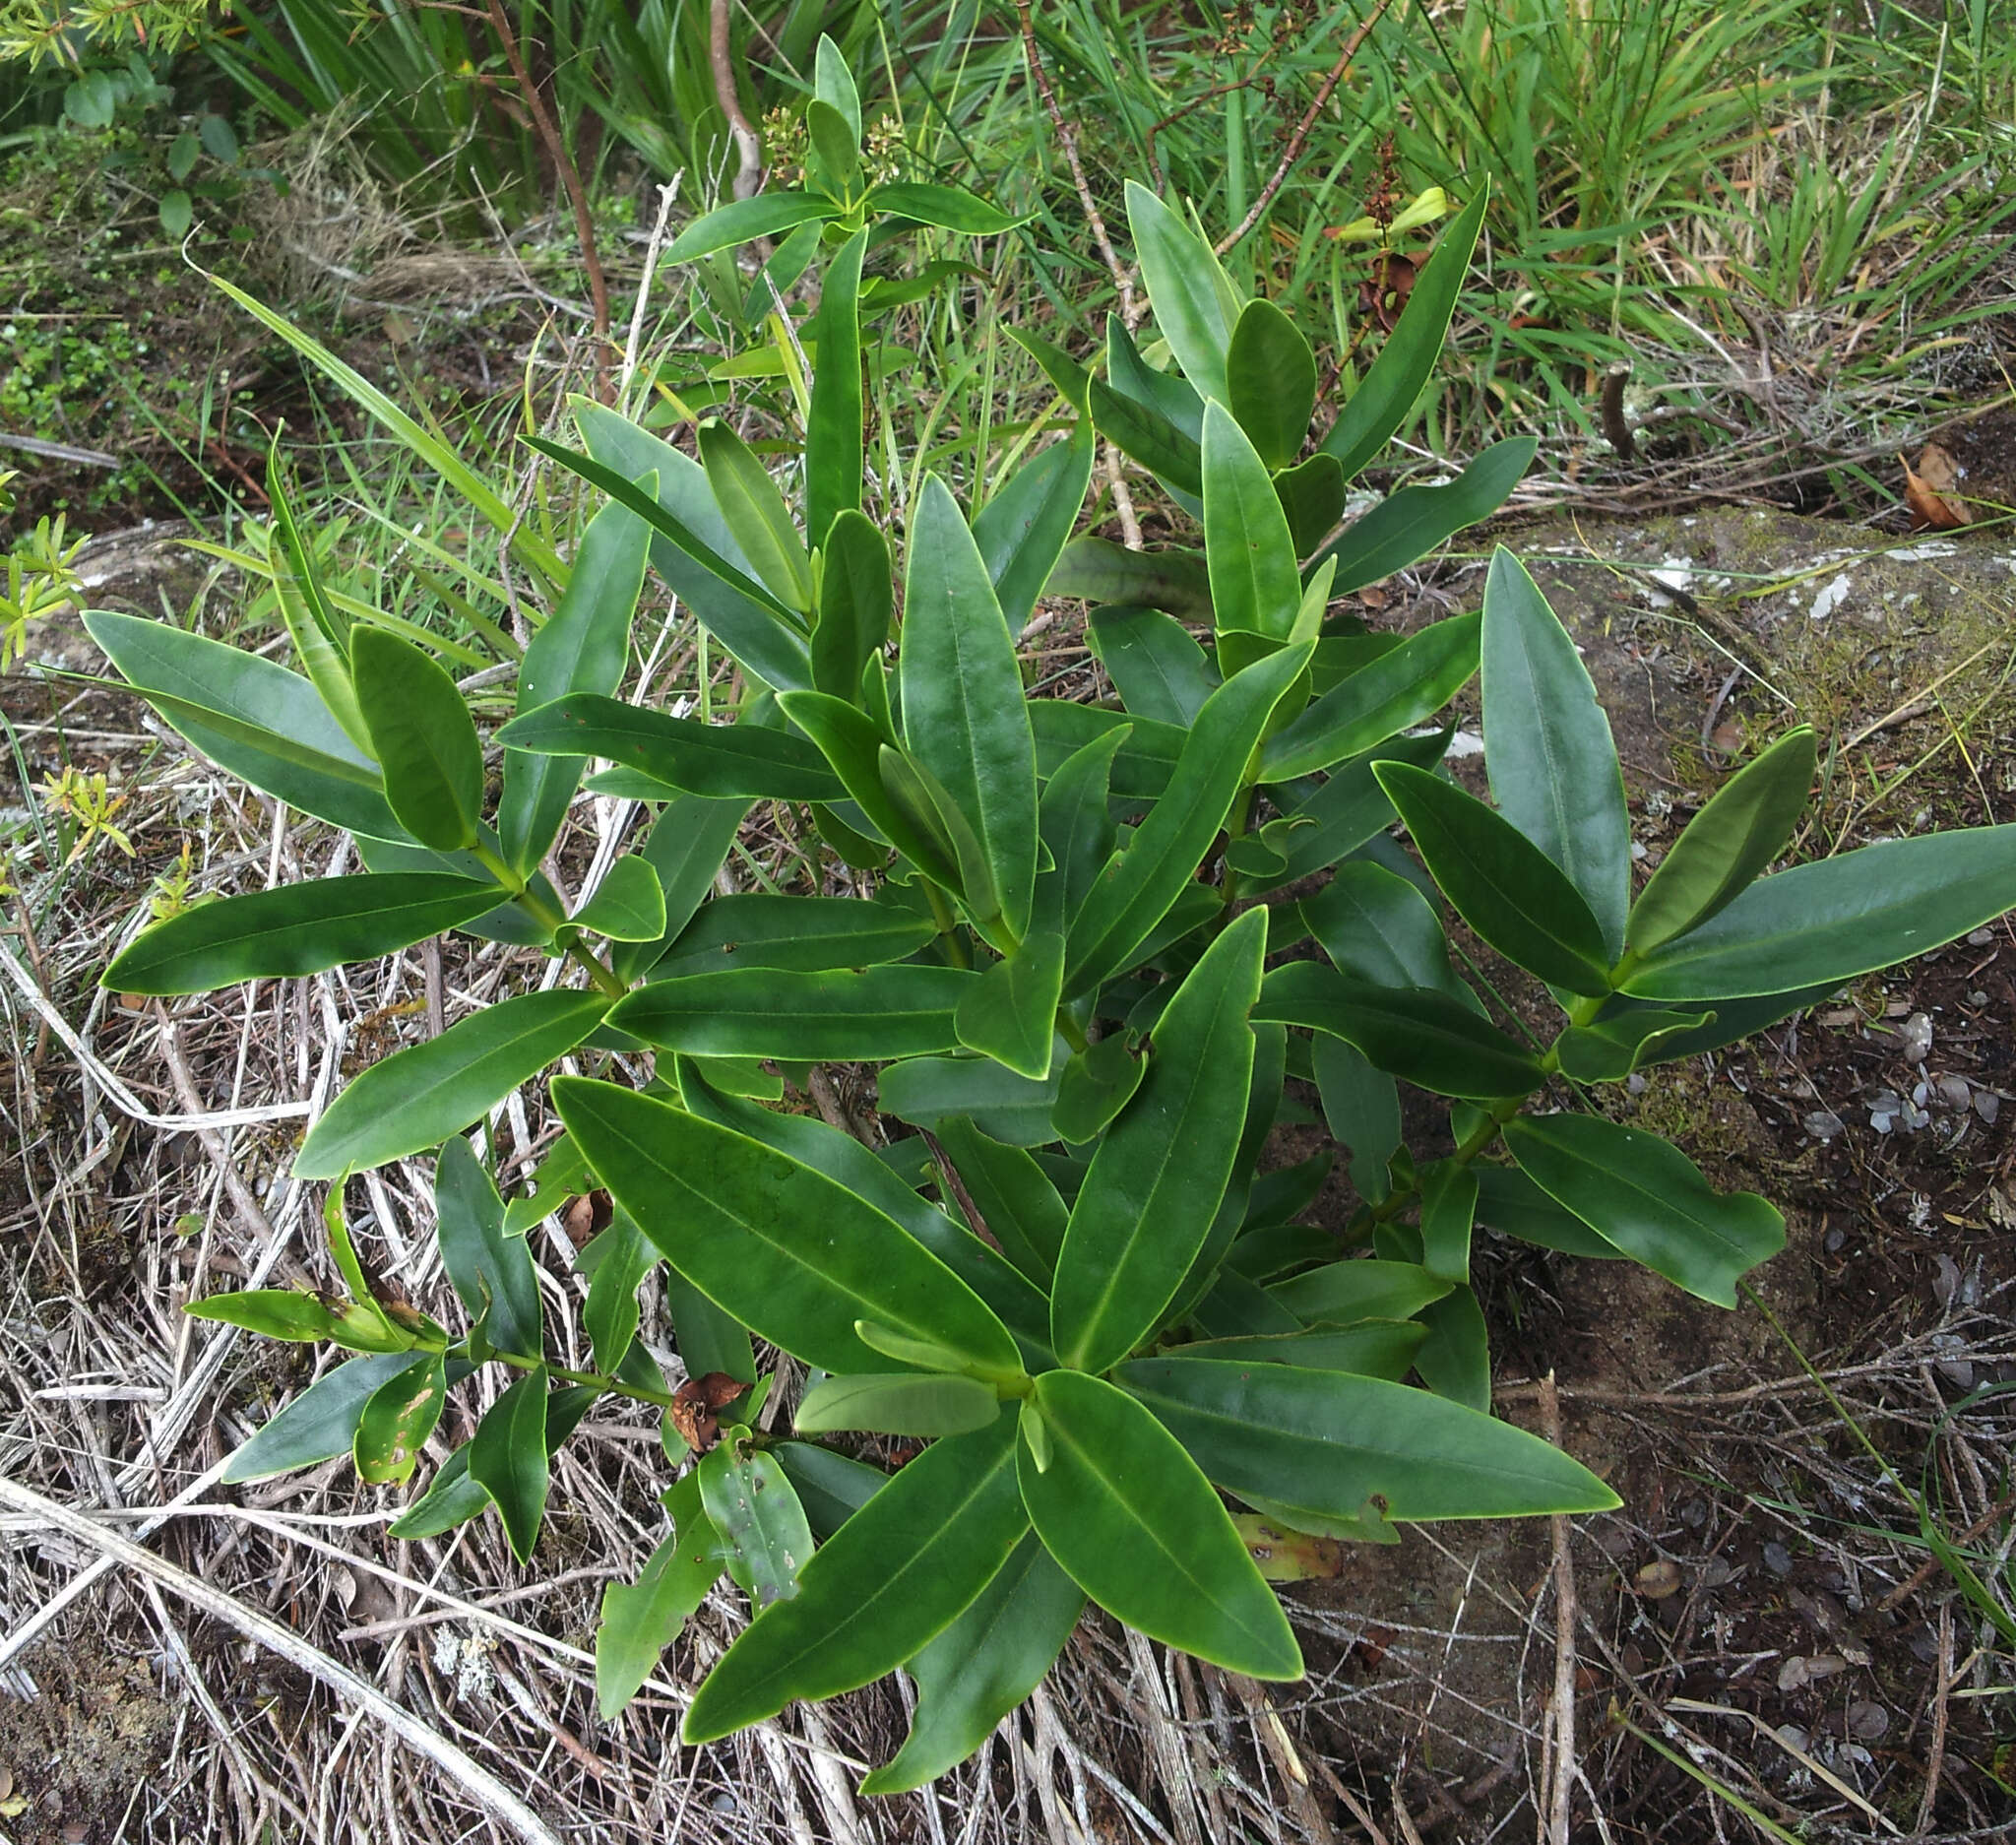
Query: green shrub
pixel 1058 961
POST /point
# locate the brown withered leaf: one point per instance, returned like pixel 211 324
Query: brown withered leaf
pixel 1658 1579
pixel 694 1403
pixel 1383 294
pixel 1930 492
pixel 1285 1556
pixel 585 1218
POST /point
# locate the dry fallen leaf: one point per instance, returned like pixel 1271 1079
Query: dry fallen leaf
pixel 585 1218
pixel 1658 1579
pixel 1930 492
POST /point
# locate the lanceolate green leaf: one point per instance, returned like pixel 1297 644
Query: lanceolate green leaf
pixel 807 933
pixel 795 1256
pixel 1014 1197
pixel 857 602
pixel 1271 378
pixel 1159 671
pixel 1455 1359
pixel 1382 1348
pixel 582 647
pixel 892 1578
pixel 1406 527
pixel 286 1314
pixel 834 84
pixel 1144 435
pixel 641 1619
pixel 1255 587
pixel 1647 1198
pixel 312 624
pixel 396 1422
pixel 1341 1293
pixel 1394 692
pixel 1010 1013
pixel 507 1458
pixel 1137 889
pixel 1023 530
pixel 1498 881
pixel 1432 1040
pixel 1377 927
pixel 834 461
pixel 717 760
pixel 1348 810
pixel 1727 845
pixel 298 928
pixel 1177 269
pixel 1547 747
pixel 983 1666
pixel 950 208
pixel 491 1273
pixel 627 906
pixel 1155 1184
pixel 964 715
pixel 321 1423
pixel 1075 823
pixel 753 509
pixel 1448 1211
pixel 686 845
pixel 1827 922
pixel 900 1403
pixel 624 1255
pixel 839 1015
pixel 424 737
pixel 767 214
pixel 1136 1525
pixel 1393 385
pixel 757 1519
pixel 419 1096
pixel 1096 1084
pixel 1337 1443
pixel 852 743
pixel 1101 571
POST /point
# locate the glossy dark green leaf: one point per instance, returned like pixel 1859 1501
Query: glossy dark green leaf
pixel 833 155
pixel 753 509
pixel 1377 927
pixel 1499 881
pixel 1069 378
pixel 1255 586
pixel 418 1097
pixel 1608 1050
pixel 1013 1194
pixel 1266 1251
pixel 1455 1359
pixel 767 214
pixel 1145 436
pixel 508 1459
pixel 757 1521
pixel 857 602
pixel 453 1498
pixel 639 1619
pixel 321 1423
pixel 624 1256
pixel 708 1339
pixel 830 1487
pixel 1448 1210
pixel 424 737
pixel 627 906
pixel 1159 671
pixel 1389 391
pixel 1096 1084
pixel 1727 845
pixel 853 744
pixel 929 1091
pixel 1270 375
pixel 803 933
pixel 964 715
pixel 1547 747
pixel 581 647
pixel 1179 271
pixel 1422 1035
pixel 839 1015
pixel 1173 397
pixel 1231 1306
pixel 691 546
pixel 1379 1348
pixel 1646 1196
pixel 286 1314
pixel 1312 496
pixel 795 1256
pixel 834 454
pixel 491 1271
pixel 1136 1525
pixel 1340 1443
pixel 1075 828
pixel 294 930
pixel 1101 571
pixel 1023 530
pixel 1347 809
pixel 1010 1013
pixel 897 1402
pixel 949 208
pixel 685 847
pixel 1406 525
pixel 927 807
pixel 1400 688
pixel 683 754
pixel 1512 1204
pixel 1157 1178
pixel 396 1420
pixel 1340 1294
pixel 1730 1022
pixel 1827 922
pixel 983 1666
pixel 890 1580
pixel 1138 888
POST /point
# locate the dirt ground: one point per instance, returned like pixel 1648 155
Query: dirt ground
pixel 1759 1644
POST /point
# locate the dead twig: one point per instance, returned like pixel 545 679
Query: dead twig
pixel 1935 1756
pixel 721 60
pixel 1561 1736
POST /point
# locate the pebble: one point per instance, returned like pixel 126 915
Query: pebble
pixel 1988 1104
pixel 1867 1720
pixel 1835 1239
pixel 1778 1559
pixel 1980 938
pixel 1658 1579
pixel 1914 1039
pixel 1823 1125
pixel 1955 1090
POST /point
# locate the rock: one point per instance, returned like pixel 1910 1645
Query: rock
pixel 1778 1559
pixel 1914 1039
